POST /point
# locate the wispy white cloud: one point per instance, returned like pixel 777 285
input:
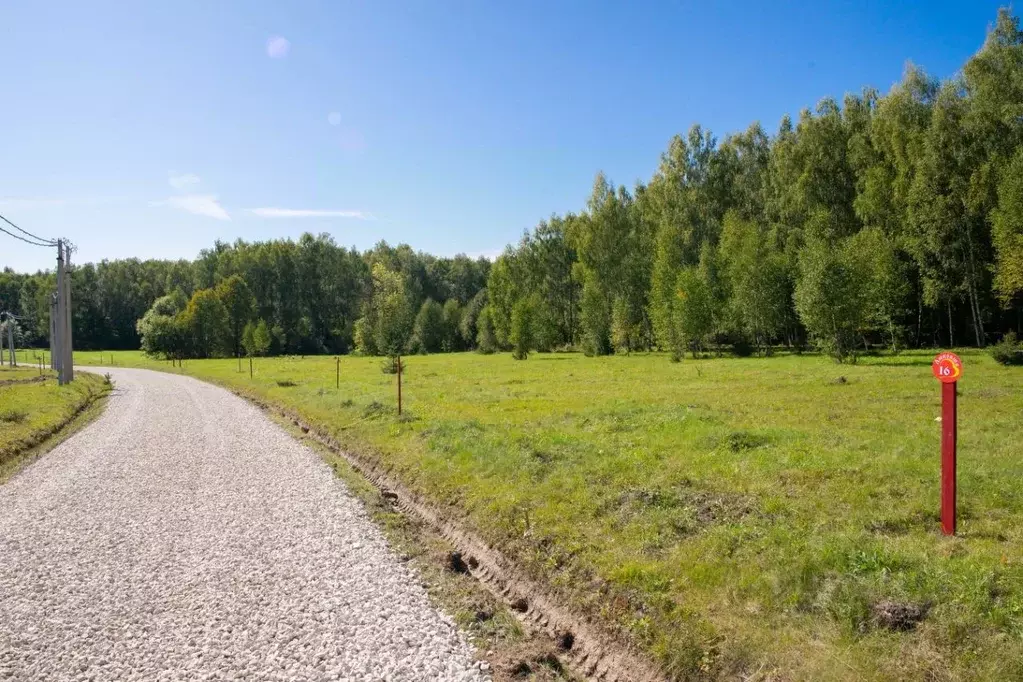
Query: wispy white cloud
pixel 278 47
pixel 182 181
pixel 199 204
pixel 334 118
pixel 308 213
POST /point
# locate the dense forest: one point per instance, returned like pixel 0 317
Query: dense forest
pixel 881 221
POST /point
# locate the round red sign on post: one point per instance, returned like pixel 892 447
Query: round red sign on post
pixel 947 368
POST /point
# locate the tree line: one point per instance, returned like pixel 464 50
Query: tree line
pixel 892 221
pixel 294 297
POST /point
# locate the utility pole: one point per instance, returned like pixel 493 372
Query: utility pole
pixel 69 347
pixel 61 357
pixel 58 322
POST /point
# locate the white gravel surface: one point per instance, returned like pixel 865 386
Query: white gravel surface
pixel 185 536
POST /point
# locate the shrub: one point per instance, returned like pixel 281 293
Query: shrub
pixel 1008 351
pixel 742 348
pixel 12 416
pixel 389 365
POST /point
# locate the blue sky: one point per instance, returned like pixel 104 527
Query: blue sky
pixel 152 129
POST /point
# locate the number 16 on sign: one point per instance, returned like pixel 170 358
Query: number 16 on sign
pixel 947 368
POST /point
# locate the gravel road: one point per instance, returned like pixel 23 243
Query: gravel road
pixel 185 536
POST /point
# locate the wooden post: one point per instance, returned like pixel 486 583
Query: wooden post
pixel 337 372
pixel 250 366
pixel 399 385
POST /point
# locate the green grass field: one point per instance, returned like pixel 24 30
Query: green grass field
pixel 32 410
pixel 765 518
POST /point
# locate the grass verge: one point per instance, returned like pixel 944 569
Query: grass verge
pixel 735 518
pixel 36 416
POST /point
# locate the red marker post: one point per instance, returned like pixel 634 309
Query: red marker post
pixel 947 368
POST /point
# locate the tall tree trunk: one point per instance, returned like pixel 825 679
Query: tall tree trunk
pixel 951 333
pixel 978 328
pixel 919 315
pixel 978 325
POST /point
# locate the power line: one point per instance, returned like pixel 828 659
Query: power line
pixel 39 241
pixel 27 241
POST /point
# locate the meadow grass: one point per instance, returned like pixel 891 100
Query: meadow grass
pixel 771 518
pixel 32 411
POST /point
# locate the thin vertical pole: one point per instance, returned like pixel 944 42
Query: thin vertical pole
pixel 948 458
pixel 250 366
pixel 69 347
pixel 337 372
pixel 59 321
pixel 399 385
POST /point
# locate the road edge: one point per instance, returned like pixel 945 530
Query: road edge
pixel 84 414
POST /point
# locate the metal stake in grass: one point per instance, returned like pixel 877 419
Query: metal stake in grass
pixel 337 372
pixel 399 385
pixel 947 368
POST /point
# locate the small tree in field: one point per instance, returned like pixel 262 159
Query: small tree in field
pixel 392 309
pixel 693 312
pixel 521 335
pixel 256 338
pixel 365 339
pixel 831 299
